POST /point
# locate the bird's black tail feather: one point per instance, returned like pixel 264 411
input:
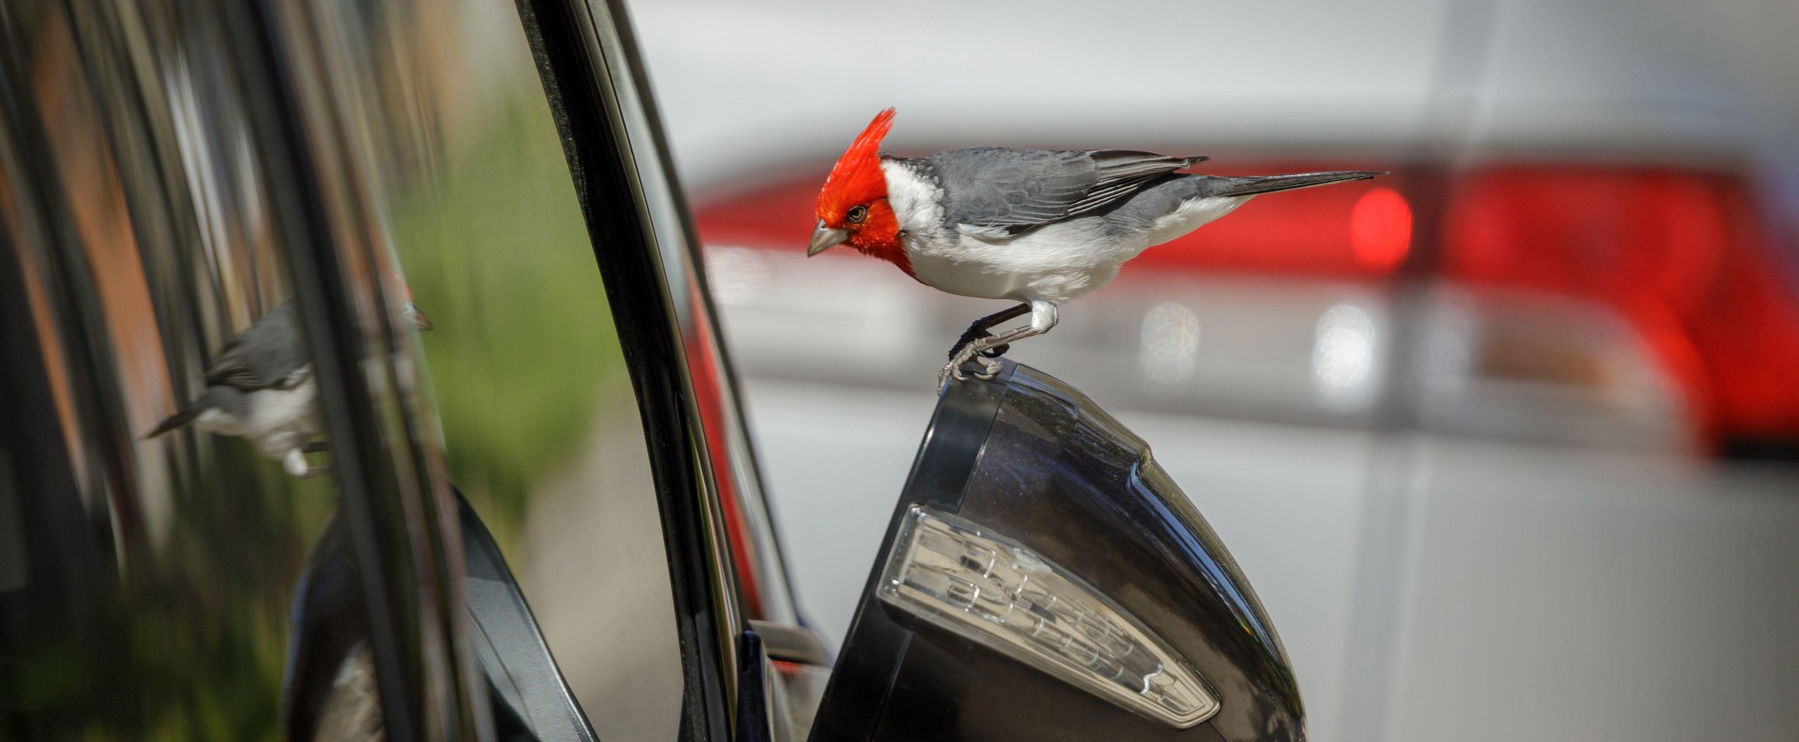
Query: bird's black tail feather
pixel 1254 184
pixel 175 421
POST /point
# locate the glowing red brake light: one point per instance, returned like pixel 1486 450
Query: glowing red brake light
pixel 1380 229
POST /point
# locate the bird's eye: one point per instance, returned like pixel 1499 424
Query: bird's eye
pixel 857 214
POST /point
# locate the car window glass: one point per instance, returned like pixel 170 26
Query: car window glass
pixel 463 172
pixel 162 473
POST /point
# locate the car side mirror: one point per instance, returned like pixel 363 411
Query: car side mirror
pixel 1042 578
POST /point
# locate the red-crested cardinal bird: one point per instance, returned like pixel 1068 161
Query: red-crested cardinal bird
pixel 1034 226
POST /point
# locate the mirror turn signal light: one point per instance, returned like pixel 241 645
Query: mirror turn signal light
pixel 992 590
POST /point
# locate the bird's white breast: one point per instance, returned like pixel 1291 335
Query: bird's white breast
pixel 273 419
pixel 281 419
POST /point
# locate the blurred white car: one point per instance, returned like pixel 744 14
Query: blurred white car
pixel 1507 438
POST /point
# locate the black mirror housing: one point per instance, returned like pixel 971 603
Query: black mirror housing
pixel 1031 459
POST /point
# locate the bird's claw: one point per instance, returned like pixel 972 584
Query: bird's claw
pixel 985 358
pixel 944 374
pixel 970 338
pixel 967 339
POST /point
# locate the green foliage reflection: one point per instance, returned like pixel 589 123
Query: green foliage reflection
pixel 499 258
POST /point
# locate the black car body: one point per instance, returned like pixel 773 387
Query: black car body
pixel 172 171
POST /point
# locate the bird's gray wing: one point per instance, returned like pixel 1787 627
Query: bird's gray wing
pixel 1002 190
pixel 269 354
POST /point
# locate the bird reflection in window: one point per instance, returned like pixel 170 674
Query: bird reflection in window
pixel 261 388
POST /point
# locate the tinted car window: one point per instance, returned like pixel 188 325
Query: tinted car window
pixel 441 113
pixel 162 478
pixel 187 186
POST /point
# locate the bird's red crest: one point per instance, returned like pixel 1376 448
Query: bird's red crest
pixel 856 179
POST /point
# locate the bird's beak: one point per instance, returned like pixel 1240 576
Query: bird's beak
pixel 825 238
pixel 418 317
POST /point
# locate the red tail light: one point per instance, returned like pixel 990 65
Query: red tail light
pixel 1679 254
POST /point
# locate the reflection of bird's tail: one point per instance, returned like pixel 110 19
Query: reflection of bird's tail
pixel 175 421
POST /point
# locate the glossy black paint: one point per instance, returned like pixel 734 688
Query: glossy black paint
pixel 753 710
pixel 564 37
pixel 1032 458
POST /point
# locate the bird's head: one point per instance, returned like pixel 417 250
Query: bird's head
pixel 852 206
pixel 415 314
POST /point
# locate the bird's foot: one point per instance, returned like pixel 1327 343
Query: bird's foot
pixel 968 338
pixel 990 365
pixel 296 465
pixel 985 358
pixel 971 337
